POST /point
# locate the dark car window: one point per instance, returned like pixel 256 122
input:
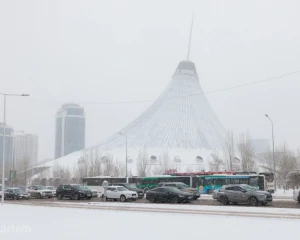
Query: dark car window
pixel 229 188
pixel 238 188
pixel 109 189
pixel 160 184
pixel 161 190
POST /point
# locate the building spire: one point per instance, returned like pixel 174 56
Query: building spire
pixel 189 47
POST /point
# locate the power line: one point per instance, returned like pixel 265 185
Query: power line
pixel 190 95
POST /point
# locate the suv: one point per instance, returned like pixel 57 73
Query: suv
pixel 52 189
pixel 182 187
pixel 15 194
pixel 73 191
pixel 243 193
pixel 131 187
pixel 121 193
pixel 39 191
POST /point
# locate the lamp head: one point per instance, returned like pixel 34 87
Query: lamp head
pixel 267 115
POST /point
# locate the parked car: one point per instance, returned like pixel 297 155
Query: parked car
pixel 296 195
pixel 1 190
pixel 94 192
pixel 244 194
pixel 73 191
pixel 120 193
pixel 15 194
pixel 168 194
pixel 39 192
pixel 131 187
pixel 52 189
pixel 182 187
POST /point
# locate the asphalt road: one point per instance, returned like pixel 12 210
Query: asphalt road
pixel 277 203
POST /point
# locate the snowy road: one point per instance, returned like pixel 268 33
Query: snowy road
pixel 63 222
pixel 265 212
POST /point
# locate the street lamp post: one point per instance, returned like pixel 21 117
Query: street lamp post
pixel 126 152
pixel 3 138
pixel 274 162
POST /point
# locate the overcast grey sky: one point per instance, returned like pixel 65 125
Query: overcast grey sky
pixel 108 51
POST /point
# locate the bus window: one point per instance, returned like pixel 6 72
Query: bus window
pixel 234 181
pixel 244 180
pixel 226 181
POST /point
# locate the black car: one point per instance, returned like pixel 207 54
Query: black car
pixel 168 194
pixel 16 194
pixel 73 191
pixel 131 187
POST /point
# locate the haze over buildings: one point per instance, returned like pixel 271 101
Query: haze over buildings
pixel 25 148
pixel 9 131
pixel 70 129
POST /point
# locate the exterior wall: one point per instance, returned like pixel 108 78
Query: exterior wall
pixel 25 147
pixel 70 130
pixel 8 144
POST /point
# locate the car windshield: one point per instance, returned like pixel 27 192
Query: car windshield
pixel 131 186
pixel 174 190
pixel 122 189
pixel 40 188
pixel 18 190
pixel 79 187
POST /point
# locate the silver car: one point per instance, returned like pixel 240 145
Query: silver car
pixel 243 194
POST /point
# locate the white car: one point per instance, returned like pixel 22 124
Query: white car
pixel 120 193
pixel 296 195
pixel 52 189
pixel 39 192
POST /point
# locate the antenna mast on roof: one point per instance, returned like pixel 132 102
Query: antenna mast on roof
pixel 188 53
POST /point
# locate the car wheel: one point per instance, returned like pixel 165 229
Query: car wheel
pixel 298 199
pixel 76 197
pixel 89 198
pixel 122 198
pixel 151 199
pixel 49 197
pixel 15 198
pixel 39 196
pixel 224 200
pixel 209 191
pixel 59 197
pixel 264 203
pixel 174 200
pixel 253 201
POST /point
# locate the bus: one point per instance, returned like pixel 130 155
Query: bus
pixel 145 183
pixel 148 183
pixel 208 183
pixel 269 177
pixel 95 183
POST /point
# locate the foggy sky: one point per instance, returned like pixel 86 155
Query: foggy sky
pixel 109 51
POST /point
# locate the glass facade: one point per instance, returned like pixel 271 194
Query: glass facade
pixel 70 130
pixel 8 145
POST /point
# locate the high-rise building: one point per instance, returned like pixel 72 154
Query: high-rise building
pixel 25 149
pixel 8 144
pixel 70 129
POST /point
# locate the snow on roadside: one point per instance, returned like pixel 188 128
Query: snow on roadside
pixel 60 223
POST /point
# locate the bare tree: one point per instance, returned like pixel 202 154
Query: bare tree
pixel 119 169
pixel 108 166
pixel 229 151
pixel 164 164
pixel 142 164
pixel 286 162
pixel 246 152
pixel 216 163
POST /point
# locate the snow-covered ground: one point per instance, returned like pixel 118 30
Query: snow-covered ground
pixel 68 223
